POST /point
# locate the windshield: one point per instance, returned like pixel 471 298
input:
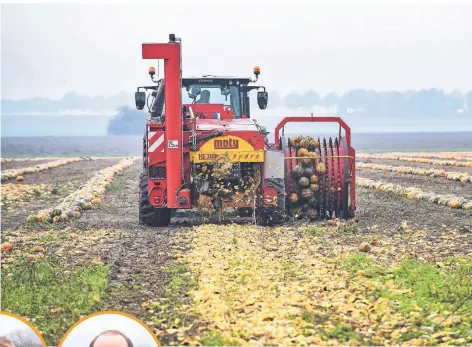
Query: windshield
pixel 214 94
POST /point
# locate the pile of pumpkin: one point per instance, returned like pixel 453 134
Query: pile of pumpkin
pixel 416 193
pixel 463 177
pixel 306 176
pixel 416 160
pixel 10 160
pixel 434 155
pixel 18 173
pixel 222 184
pixel 85 197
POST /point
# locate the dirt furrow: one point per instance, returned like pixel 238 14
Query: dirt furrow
pixel 141 256
pixel 388 212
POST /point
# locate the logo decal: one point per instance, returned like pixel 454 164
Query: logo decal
pixel 226 144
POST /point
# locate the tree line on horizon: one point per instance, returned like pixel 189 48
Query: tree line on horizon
pixel 424 102
pixel 414 103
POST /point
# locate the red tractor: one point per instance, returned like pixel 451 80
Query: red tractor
pixel 202 150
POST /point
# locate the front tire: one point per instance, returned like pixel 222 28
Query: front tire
pixel 148 214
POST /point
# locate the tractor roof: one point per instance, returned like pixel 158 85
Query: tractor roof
pixel 208 79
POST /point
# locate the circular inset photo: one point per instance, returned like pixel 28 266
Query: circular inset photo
pixel 16 331
pixel 109 329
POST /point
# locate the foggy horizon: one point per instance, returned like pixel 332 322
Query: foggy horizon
pixel 95 50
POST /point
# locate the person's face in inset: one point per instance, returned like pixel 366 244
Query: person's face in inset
pixel 111 340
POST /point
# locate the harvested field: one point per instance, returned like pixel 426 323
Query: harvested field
pixel 17 164
pixel 60 181
pixel 410 159
pixel 399 274
pixel 427 184
pixel 467 170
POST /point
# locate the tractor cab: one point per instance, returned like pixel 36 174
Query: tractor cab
pixel 216 97
pixel 208 97
pixel 211 97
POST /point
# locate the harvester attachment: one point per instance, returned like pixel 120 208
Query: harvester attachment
pixel 319 172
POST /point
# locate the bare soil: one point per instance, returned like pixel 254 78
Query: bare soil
pixel 140 254
pixel 387 213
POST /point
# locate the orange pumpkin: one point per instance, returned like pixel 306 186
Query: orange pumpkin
pixel 294 198
pixel 96 201
pixel 6 247
pixel 454 204
pixel 302 152
pixel 35 256
pixel 314 144
pixel 320 168
pixel 312 154
pixel 304 142
pixel 332 222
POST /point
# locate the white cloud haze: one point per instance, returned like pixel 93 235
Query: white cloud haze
pixel 51 49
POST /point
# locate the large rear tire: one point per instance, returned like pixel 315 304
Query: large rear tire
pixel 270 216
pixel 148 214
pixel 245 212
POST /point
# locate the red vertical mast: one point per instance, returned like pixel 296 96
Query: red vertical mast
pixel 170 52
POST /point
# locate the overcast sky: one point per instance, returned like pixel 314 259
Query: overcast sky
pixel 50 49
pixel 9 325
pixel 85 332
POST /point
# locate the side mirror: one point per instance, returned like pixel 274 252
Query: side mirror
pixel 262 99
pixel 140 99
pixel 225 91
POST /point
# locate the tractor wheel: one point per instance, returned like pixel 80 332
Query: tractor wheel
pixel 148 214
pixel 245 212
pixel 269 216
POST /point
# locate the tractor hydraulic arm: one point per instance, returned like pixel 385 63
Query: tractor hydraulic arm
pixel 204 137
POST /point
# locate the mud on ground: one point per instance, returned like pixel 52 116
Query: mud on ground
pixel 141 253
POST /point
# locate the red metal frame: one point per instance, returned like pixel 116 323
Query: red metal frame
pixel 328 119
pixel 208 109
pixel 170 52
